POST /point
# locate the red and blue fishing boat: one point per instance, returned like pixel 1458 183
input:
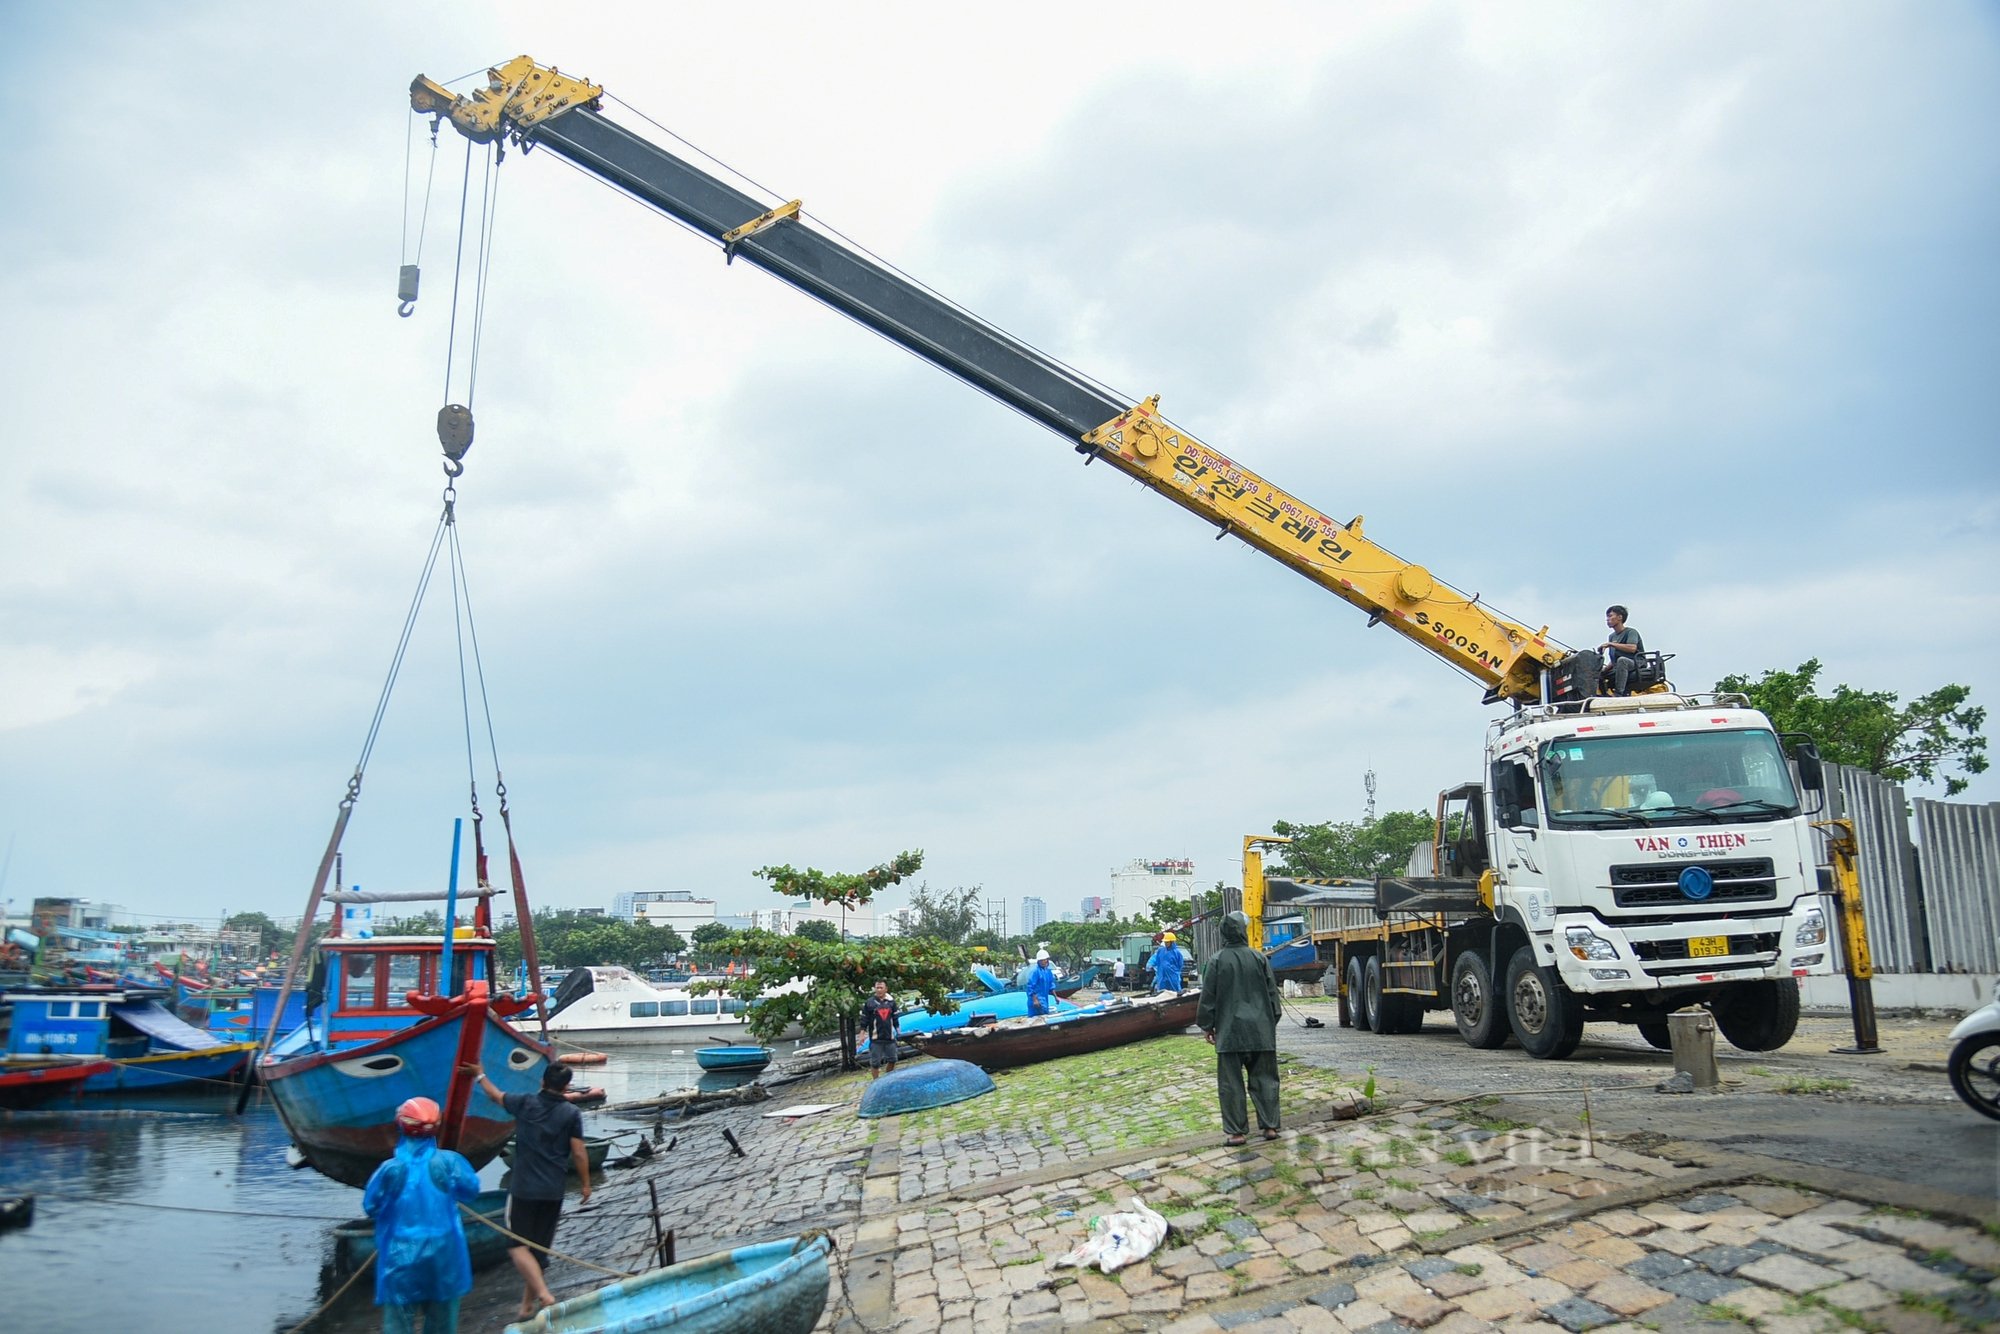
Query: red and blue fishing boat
pixel 389 1018
pixel 142 1046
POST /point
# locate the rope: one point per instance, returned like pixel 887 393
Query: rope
pixel 552 1253
pixel 340 1292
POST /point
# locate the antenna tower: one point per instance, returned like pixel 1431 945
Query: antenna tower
pixel 1368 781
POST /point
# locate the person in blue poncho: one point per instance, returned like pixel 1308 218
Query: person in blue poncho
pixel 1041 986
pixel 1167 965
pixel 421 1264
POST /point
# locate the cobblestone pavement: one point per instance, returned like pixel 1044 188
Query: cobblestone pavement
pixel 1418 1216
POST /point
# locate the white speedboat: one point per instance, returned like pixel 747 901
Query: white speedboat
pixel 606 1004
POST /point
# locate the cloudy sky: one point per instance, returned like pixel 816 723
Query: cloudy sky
pixel 1689 308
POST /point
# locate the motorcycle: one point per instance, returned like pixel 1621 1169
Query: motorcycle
pixel 1974 1066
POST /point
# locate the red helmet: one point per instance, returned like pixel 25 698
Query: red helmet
pixel 418 1116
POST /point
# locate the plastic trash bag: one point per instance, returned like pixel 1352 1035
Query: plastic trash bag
pixel 1119 1239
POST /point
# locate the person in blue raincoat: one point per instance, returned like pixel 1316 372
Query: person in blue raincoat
pixel 1167 965
pixel 1041 986
pixel 421 1264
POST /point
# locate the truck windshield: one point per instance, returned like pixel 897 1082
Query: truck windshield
pixel 1664 779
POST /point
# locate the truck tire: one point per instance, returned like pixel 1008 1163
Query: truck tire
pixel 1656 1032
pixel 1389 1014
pixel 1357 995
pixel 1344 1004
pixel 1759 1016
pixel 1547 1020
pixel 1476 1006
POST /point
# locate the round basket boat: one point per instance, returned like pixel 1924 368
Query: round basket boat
pixel 931 1084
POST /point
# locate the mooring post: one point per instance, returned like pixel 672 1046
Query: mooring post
pixel 1692 1032
pixel 660 1242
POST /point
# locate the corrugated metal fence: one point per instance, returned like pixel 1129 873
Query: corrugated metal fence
pixel 1933 901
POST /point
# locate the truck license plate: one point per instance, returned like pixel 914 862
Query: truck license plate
pixel 1707 947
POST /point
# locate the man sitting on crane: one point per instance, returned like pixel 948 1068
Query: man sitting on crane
pixel 1623 650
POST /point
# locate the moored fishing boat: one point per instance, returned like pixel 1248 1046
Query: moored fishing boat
pixel 143 1046
pixel 1016 1042
pixel 37 1081
pixel 778 1287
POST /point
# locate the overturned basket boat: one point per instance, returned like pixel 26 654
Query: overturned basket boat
pixel 778 1287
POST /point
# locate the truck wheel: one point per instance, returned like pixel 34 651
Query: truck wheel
pixel 1475 1005
pixel 1357 995
pixel 1759 1016
pixel 1389 1014
pixel 1547 1020
pixel 1344 1004
pixel 1657 1033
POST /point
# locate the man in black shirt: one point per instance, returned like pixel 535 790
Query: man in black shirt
pixel 1624 648
pixel 878 1025
pixel 548 1143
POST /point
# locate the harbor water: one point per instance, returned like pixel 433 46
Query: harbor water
pixel 172 1213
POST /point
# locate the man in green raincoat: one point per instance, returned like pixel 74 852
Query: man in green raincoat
pixel 1239 1016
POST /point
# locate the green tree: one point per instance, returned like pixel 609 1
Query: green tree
pixel 838 975
pixel 950 915
pixel 1360 849
pixel 710 938
pixel 1171 912
pixel 1870 729
pixel 571 940
pixel 817 928
pixel 270 936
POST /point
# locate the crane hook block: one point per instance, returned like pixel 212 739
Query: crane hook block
pixel 455 430
pixel 406 291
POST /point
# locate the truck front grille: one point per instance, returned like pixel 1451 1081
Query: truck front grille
pixel 1657 884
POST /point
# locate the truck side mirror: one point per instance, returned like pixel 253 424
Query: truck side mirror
pixel 1812 775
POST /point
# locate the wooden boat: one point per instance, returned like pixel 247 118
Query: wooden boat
pixel 16 1210
pixel 594 1150
pixel 922 1087
pixel 733 1058
pixel 778 1287
pixel 354 1241
pixel 142 1045
pixel 377 1032
pixel 1109 1023
pixel 32 1082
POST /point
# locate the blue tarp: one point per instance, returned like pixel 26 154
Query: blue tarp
pixel 169 1031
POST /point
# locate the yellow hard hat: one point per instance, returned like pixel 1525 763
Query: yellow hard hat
pixel 1170 938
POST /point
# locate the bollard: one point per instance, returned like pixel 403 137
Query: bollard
pixel 1693 1034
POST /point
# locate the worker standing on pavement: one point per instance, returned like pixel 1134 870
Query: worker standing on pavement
pixel 1167 965
pixel 548 1144
pixel 1239 1017
pixel 1041 986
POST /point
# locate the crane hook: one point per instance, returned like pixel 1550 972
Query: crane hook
pixel 454 427
pixel 406 290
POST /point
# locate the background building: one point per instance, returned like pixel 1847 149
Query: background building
pixel 1140 882
pixel 1033 913
pixel 1096 908
pixel 859 923
pixel 677 908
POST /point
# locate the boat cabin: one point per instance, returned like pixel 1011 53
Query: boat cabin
pixel 81 1021
pixel 360 987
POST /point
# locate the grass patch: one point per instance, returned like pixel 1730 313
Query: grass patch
pixel 1034 1259
pixel 1399 1183
pixel 1459 1157
pixel 1470 1270
pixel 1179 1072
pixel 1806 1084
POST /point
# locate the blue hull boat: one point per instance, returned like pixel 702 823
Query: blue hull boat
pixel 778 1287
pixel 148 1048
pixel 380 1033
pixel 732 1058
pixel 1006 1005
pixel 922 1087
